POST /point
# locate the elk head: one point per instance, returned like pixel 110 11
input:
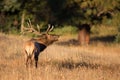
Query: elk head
pixel 47 38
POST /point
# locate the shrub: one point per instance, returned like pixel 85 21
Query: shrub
pixel 117 40
pixel 118 36
pixel 66 30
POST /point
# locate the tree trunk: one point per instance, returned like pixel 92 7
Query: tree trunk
pixel 84 34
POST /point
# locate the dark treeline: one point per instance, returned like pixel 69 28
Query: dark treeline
pixel 58 12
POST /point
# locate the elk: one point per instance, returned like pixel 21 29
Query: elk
pixel 35 46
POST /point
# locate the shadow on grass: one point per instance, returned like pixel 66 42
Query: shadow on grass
pixel 104 39
pixel 72 65
pixel 69 65
pixel 71 42
pixel 74 42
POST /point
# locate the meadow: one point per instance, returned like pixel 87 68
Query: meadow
pixel 63 60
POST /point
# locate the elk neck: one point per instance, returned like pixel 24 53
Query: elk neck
pixel 41 41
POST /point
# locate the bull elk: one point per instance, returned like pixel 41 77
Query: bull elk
pixel 33 47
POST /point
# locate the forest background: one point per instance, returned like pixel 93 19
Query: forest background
pixel 65 15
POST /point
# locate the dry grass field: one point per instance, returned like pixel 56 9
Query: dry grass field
pixel 64 60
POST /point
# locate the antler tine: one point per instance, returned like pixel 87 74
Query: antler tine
pixel 48 28
pixel 38 27
pixel 29 21
pixel 28 24
pixel 51 28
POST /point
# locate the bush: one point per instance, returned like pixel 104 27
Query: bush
pixel 66 30
pixel 117 40
pixel 118 36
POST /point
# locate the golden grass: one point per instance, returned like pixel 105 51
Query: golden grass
pixel 60 61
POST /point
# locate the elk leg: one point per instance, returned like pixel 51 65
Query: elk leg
pixel 26 62
pixel 26 59
pixel 36 60
pixel 31 60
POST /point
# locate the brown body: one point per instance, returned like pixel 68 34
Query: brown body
pixel 33 47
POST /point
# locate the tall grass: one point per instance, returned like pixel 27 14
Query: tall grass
pixel 59 61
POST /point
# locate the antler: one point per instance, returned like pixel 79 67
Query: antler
pixel 49 28
pixel 31 29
